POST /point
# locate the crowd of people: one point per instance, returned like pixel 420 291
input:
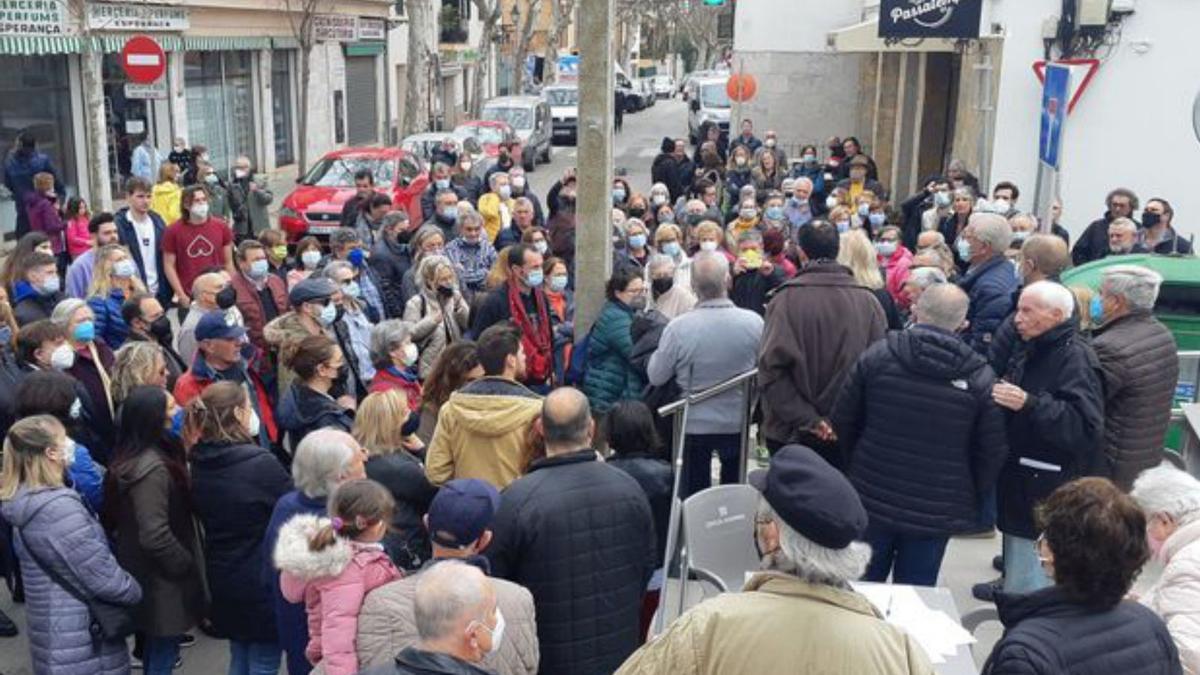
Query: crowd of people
pixel 392 451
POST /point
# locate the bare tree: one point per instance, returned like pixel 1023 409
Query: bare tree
pixel 302 17
pixel 422 31
pixel 533 10
pixel 561 13
pixel 489 13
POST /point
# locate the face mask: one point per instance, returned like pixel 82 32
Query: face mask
pixel 637 240
pixel 411 354
pixel 253 425
pixel 240 173
pixel 259 269
pixel 76 411
pixel 85 331
pixel 964 249
pixel 178 148
pixel 842 226
pixel 831 202
pixel 199 211
pixel 50 285
pixel 352 289
pixel 770 143
pixel 518 182
pixel 708 246
pixel 450 213
pixel 446 292
pixel 124 269
pixel 1021 235
pixel 465 166
pixel 885 248
pixel 1096 310
pixel 774 213
pixel 637 212
pixel 211 179
pixel 357 257
pixel 748 214
pixel 637 303
pixel 558 283
pixel 1150 219
pixel 505 191
pixel 442 183
pixel 659 200
pixel 328 314
pixel 618 195
pixel 864 209
pixel 941 199
pixel 671 248
pixel 809 159
pixel 876 219
pixel 227 297
pixel 541 246
pixel 1000 206
pixel 204 157
pixel 176 429
pixel 535 278
pixel 694 219
pixel 160 328
pixel 62 358
pixel 497 632
pixel 740 160
pixel 310 258
pixel 68 453
pixel 279 252
pixel 661 285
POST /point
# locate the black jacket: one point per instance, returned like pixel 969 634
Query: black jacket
pixel 657 480
pixel 129 239
pixel 303 410
pixel 1093 243
pixel 389 260
pixel 579 535
pixel 752 289
pixel 429 198
pixel 234 490
pixel 665 170
pixel 407 543
pixel 922 437
pixel 413 661
pixel 1056 437
pixel 1047 634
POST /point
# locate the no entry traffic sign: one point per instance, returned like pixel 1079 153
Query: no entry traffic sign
pixel 143 60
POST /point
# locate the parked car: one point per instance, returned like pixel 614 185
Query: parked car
pixel 564 109
pixel 664 87
pixel 490 135
pixel 530 118
pixel 708 102
pixel 424 144
pixel 315 206
pixel 645 89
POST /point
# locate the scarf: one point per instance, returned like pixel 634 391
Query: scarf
pixel 535 340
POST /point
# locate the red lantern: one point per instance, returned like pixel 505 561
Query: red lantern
pixel 741 88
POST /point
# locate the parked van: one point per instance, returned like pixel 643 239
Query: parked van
pixel 530 117
pixel 564 107
pixel 707 102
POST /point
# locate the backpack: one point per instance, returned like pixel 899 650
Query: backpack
pixel 577 369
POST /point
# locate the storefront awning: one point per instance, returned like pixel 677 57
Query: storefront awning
pixel 222 44
pixel 864 37
pixel 364 48
pixel 112 44
pixel 288 42
pixel 36 45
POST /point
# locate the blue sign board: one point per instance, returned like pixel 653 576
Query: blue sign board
pixel 1056 95
pixel 568 68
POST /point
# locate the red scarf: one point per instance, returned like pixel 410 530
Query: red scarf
pixel 535 340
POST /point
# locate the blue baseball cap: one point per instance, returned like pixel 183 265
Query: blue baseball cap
pixel 461 511
pixel 219 325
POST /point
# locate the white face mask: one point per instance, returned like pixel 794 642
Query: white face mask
pixel 63 357
pixel 411 354
pixel 253 425
pixel 68 458
pixel 497 632
pixel 708 246
pixel 199 211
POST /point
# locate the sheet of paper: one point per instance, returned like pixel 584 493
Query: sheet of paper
pixel 938 634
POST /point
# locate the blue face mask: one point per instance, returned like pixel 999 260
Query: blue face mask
pixel 964 249
pixel 328 314
pixel 637 241
pixel 618 195
pixel 85 331
pixel 877 219
pixel 259 269
pixel 176 429
pixel 842 226
pixel 442 183
pixel 357 257
pixel 671 248
pixel 1096 310
pixel 450 213
pixel 535 278
pixel 352 289
pixel 558 283
pixel 774 213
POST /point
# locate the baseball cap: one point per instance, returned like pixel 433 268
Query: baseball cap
pixel 219 325
pixel 812 497
pixel 461 511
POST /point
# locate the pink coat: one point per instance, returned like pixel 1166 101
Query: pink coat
pixel 78 237
pixel 897 267
pixel 333 584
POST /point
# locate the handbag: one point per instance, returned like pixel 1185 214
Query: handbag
pixel 109 621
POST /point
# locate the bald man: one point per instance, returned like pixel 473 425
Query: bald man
pixel 1043 257
pixel 571 523
pixel 210 291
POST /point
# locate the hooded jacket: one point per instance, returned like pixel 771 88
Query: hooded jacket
pixel 166 201
pixel 59 529
pixel 29 305
pixel 332 583
pixel 922 437
pixel 482 432
pixel 1175 597
pixel 303 410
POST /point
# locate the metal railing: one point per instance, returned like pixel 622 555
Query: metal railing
pixel 747 382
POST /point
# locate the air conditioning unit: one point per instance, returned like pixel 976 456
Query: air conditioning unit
pixel 1092 12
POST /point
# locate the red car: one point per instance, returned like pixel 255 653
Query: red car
pixel 492 133
pixel 315 206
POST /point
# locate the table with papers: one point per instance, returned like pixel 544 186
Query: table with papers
pixel 928 615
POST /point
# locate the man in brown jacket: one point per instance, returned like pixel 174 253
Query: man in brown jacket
pixel 817 325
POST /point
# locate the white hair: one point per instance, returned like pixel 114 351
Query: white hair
pixel 386 336
pixel 800 556
pixel 1122 224
pixel 1138 285
pixel 1165 489
pixel 321 460
pixel 65 310
pixel 494 177
pixel 991 229
pixel 1053 296
pixel 924 277
pixel 943 306
pixel 710 275
pixel 803 180
pixel 659 261
pixel 446 594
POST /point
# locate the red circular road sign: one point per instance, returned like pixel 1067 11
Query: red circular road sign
pixel 741 87
pixel 143 60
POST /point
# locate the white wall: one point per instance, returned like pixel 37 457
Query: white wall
pixel 1133 125
pixel 791 25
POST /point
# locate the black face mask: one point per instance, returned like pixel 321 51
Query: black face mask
pixel 1150 219
pixel 411 424
pixel 160 328
pixel 661 286
pixel 446 292
pixel 338 388
pixel 227 297
pixel 637 212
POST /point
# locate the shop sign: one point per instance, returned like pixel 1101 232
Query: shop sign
pixel 929 18
pixel 155 90
pixel 372 29
pixel 335 27
pixel 104 16
pixel 31 17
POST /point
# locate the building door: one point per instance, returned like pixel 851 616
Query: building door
pixel 128 122
pixel 362 100
pixel 220 105
pixel 940 111
pixel 281 106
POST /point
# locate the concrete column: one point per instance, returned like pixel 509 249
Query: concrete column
pixel 593 230
pixel 176 102
pixel 266 113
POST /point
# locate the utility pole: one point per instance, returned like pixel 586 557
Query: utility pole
pixel 593 215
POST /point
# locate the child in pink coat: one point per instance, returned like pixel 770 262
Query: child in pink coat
pixel 79 239
pixel 332 563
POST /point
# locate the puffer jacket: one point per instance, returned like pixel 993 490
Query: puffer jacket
pixel 59 529
pixel 1047 634
pixel 433 330
pixel 483 432
pixel 611 376
pixel 1175 597
pixel 1138 359
pixel 110 325
pixel 990 286
pixel 579 535
pixel 386 626
pixel 303 410
pixel 1056 437
pixel 332 583
pixel 922 437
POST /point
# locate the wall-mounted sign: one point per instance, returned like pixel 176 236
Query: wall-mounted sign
pixel 929 18
pixel 372 29
pixel 154 90
pixel 31 17
pixel 335 27
pixel 106 16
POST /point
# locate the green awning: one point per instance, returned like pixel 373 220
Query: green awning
pixel 288 42
pixel 112 44
pixel 223 44
pixel 36 45
pixel 364 49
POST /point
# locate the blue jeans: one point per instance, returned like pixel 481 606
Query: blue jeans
pixel 1023 571
pixel 697 460
pixel 159 654
pixel 911 559
pixel 254 658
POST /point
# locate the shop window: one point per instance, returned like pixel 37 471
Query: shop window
pixel 220 105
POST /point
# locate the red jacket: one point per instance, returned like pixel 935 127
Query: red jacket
pixel 386 379
pixel 897 266
pixel 192 383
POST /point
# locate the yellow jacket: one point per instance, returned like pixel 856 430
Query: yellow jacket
pixel 483 432
pixel 495 219
pixel 780 624
pixel 165 201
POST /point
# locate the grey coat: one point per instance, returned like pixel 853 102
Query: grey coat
pixel 433 331
pixel 54 523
